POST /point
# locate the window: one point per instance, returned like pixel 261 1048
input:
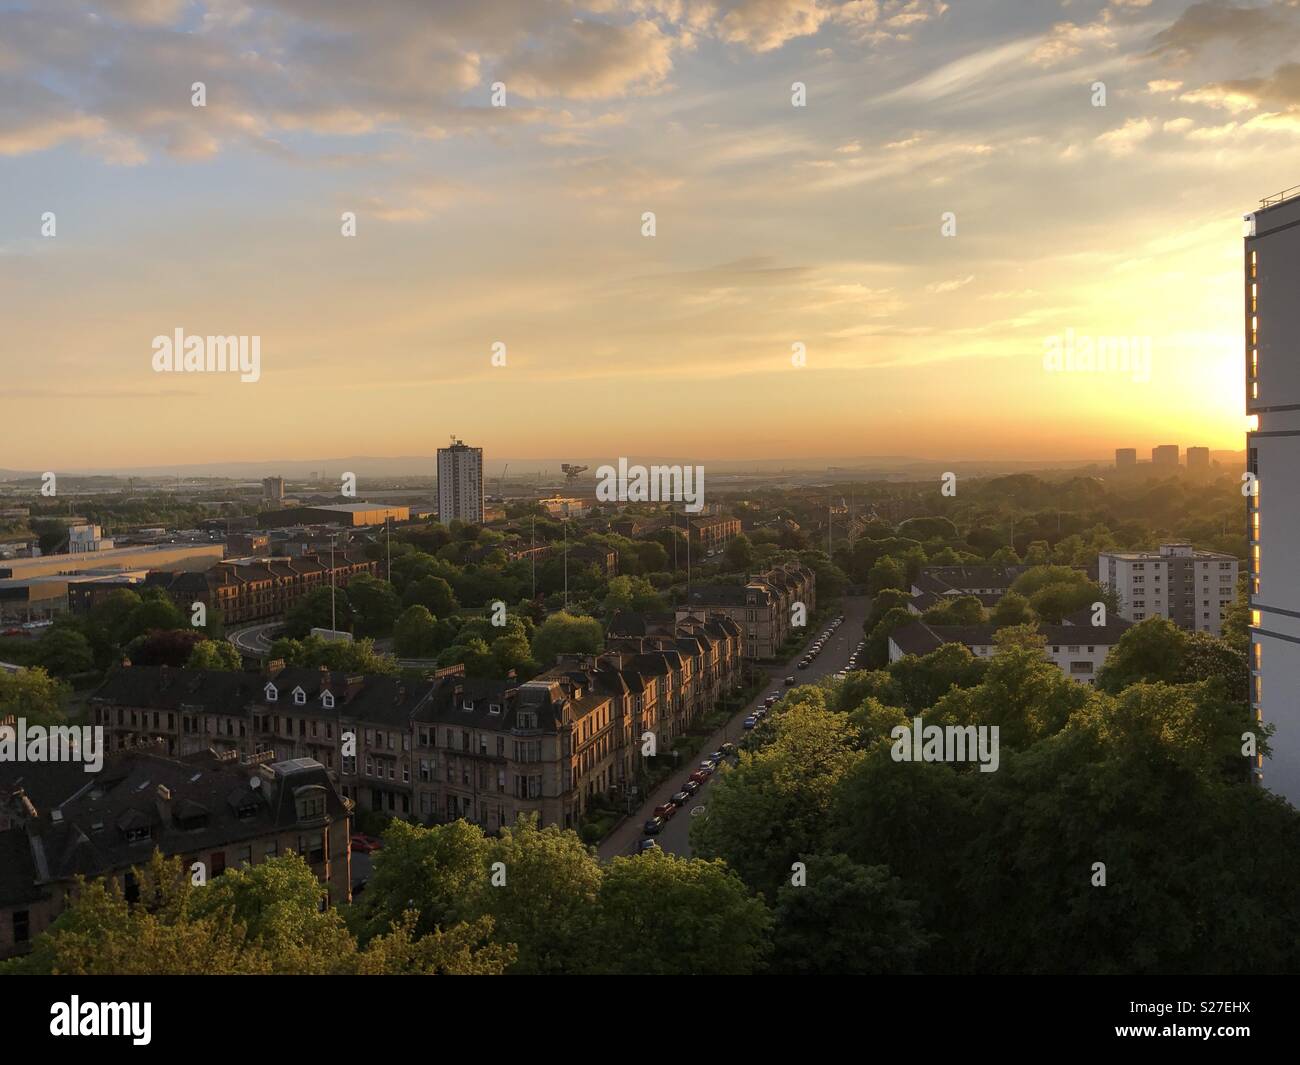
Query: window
pixel 271 694
pixel 299 697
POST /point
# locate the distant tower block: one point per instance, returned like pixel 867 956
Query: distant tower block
pixel 273 490
pixel 1126 457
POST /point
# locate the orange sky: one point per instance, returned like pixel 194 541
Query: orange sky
pixel 775 226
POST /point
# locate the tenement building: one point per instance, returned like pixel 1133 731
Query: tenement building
pixel 763 607
pixel 1193 589
pixel 58 822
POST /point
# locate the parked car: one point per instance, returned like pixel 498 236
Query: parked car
pixel 690 786
pixel 803 664
pixel 717 756
pixel 789 682
pixel 749 722
pixel 646 845
pixel 665 810
pixel 699 776
pixel 708 766
pixel 365 844
pixel 728 748
pixel 654 826
pixel 682 797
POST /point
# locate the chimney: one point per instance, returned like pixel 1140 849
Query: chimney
pixel 273 667
pixel 163 804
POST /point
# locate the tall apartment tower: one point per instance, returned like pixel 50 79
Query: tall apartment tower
pixel 1126 458
pixel 273 490
pixel 1164 455
pixel 460 483
pixel 1272 379
pixel 1198 459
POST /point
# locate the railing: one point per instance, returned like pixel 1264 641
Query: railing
pixel 1285 194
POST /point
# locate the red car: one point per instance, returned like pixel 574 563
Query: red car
pixel 666 810
pixel 365 844
pixel 699 776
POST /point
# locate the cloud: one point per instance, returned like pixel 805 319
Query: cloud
pixel 1123 140
pixel 593 61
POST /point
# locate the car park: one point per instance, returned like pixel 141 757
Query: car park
pixel 654 826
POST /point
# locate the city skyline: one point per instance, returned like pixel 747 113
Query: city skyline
pixel 776 226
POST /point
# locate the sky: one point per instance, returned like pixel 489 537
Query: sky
pixel 897 267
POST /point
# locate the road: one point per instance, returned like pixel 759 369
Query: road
pixel 674 838
pixel 254 640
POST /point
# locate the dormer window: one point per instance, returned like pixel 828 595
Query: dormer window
pixel 299 697
pixel 272 693
pixel 467 705
pixel 494 708
pixel 137 835
pixel 310 802
pixel 327 700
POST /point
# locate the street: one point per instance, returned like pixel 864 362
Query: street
pixel 674 836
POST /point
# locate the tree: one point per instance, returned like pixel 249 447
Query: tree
pixel 1152 650
pixel 774 806
pixel 512 651
pixel 155 612
pixel 64 652
pixel 171 647
pixel 886 573
pixel 415 633
pixel 32 694
pixel 338 655
pixel 956 610
pixel 433 593
pixel 661 915
pixel 1012 609
pixel 375 605
pixel 215 654
pixel 547 887
pixel 563 632
pixel 876 652
pixel 877 927
pixel 313 611
pixel 631 593
pixel 739 553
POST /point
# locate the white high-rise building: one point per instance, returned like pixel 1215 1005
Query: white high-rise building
pixel 1272 280
pixel 460 483
pixel 1193 589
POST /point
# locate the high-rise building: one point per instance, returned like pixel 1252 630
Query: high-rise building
pixel 460 483
pixel 1193 589
pixel 1164 455
pixel 1272 487
pixel 1126 457
pixel 1198 458
pixel 273 490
